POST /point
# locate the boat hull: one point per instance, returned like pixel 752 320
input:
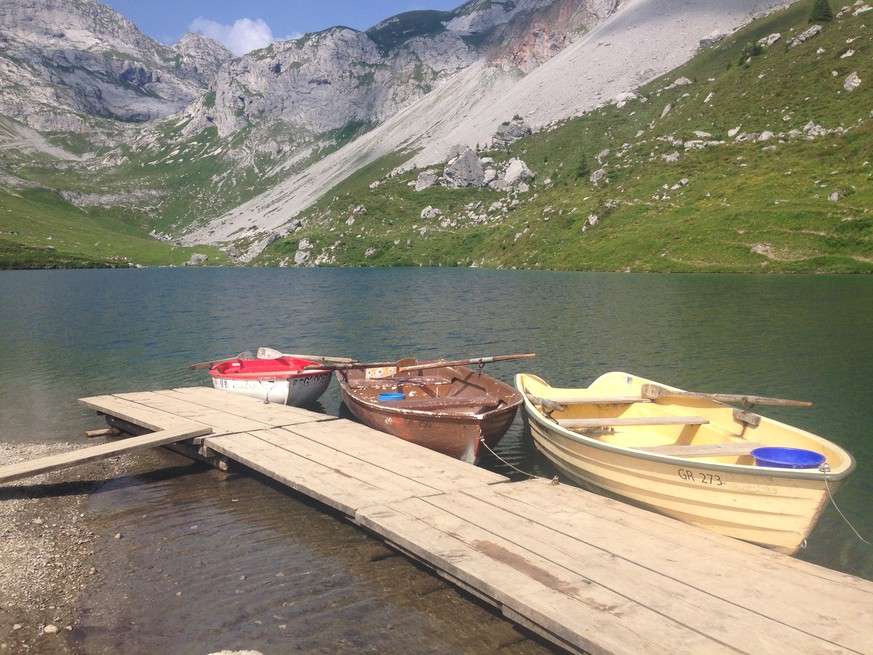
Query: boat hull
pixel 282 381
pixel 453 426
pixel 773 507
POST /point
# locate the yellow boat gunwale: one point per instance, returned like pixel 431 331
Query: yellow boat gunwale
pixel 700 463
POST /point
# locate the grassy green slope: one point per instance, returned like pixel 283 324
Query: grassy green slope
pixel 39 229
pixel 799 201
pixel 162 183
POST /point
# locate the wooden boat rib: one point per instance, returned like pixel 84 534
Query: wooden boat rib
pixel 446 409
pixel 685 456
pixel 283 380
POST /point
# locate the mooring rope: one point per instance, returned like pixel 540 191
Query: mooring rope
pixel 825 469
pixel 534 476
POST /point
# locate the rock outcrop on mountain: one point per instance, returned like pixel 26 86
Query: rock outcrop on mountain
pixel 309 112
pixel 63 61
pixel 628 43
pixel 342 77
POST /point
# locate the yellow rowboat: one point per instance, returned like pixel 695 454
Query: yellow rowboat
pixel 688 455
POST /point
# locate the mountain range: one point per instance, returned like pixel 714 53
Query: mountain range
pixel 195 149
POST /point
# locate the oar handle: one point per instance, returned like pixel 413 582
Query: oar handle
pixel 199 365
pixel 272 353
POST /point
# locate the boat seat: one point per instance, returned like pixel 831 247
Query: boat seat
pixel 448 402
pixel 425 380
pixel 597 400
pixel 630 420
pixel 394 382
pixel 734 448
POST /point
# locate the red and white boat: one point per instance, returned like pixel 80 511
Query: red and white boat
pixel 281 380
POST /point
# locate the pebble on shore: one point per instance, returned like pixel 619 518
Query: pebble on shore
pixel 45 562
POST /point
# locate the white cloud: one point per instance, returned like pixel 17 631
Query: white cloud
pixel 240 38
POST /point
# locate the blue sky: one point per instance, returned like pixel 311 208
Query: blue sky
pixel 249 24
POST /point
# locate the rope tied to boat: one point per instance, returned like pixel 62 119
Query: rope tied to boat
pixel 534 476
pixel 825 469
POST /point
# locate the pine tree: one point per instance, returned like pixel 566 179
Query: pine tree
pixel 821 12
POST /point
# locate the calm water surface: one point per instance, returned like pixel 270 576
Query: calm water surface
pixel 210 561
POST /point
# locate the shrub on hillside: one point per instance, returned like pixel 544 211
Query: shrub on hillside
pixel 821 12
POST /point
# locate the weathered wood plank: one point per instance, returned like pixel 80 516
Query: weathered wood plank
pixel 323 482
pixel 565 557
pixel 92 453
pixel 630 420
pixel 382 383
pixel 174 404
pixel 830 605
pixel 447 402
pixel 704 450
pixel 584 616
pixel 137 413
pixel 354 470
pixel 272 414
pixel 391 453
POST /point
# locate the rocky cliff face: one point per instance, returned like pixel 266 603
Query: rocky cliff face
pixel 66 62
pixel 340 77
pixel 63 61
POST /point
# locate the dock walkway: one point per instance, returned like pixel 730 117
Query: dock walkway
pixel 587 573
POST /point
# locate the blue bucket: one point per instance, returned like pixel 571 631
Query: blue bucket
pixel 392 395
pixel 787 458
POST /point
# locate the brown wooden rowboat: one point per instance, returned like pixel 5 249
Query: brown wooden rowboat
pixel 445 409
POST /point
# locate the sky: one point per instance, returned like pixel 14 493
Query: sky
pixel 244 25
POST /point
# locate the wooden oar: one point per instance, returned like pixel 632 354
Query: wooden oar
pixel 199 365
pixel 654 392
pixel 271 353
pixel 478 361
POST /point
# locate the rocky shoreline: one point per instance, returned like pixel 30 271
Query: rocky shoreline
pixel 48 545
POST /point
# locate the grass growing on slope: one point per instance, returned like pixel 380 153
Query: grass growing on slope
pixel 42 230
pixel 759 162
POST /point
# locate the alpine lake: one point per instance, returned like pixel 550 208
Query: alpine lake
pixel 214 561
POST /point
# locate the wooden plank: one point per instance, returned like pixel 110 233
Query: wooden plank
pixel 317 480
pixel 565 605
pixel 137 413
pixel 335 477
pixel 272 414
pixel 565 557
pixel 831 605
pixel 379 468
pixel 175 404
pixel 734 448
pixel 93 453
pixel 446 402
pixel 630 420
pixel 393 454
pixel 381 383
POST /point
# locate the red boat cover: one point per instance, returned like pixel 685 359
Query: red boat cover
pixel 283 367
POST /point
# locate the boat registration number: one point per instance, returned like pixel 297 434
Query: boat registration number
pixel 699 476
pixel 308 380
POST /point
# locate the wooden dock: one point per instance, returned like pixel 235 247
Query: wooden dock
pixel 589 574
